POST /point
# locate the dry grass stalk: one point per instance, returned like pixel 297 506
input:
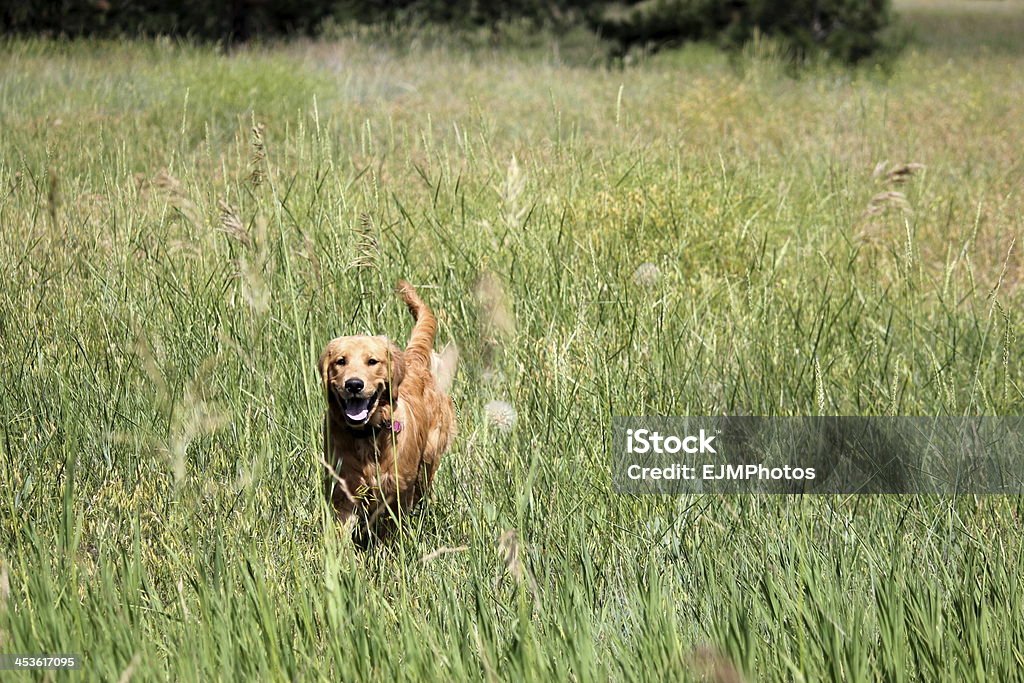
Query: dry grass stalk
pixel 508 546
pixel 497 321
pixel 5 593
pixel 308 252
pixel 168 183
pixel 897 173
pixel 252 286
pixel 53 195
pixel 129 670
pixel 231 224
pixel 343 487
pixel 885 200
pixel 174 189
pixel 902 173
pixel 5 584
pixel 443 550
pixel 496 307
pixel 711 665
pixel 259 155
pixel 514 211
pixel 510 549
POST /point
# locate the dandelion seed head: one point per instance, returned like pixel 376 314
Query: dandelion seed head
pixel 501 415
pixel 491 376
pixel 647 274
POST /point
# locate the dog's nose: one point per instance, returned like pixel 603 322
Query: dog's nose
pixel 354 386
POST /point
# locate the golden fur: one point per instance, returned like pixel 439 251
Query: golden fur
pixel 387 422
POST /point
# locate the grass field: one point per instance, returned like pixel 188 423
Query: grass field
pixel 693 234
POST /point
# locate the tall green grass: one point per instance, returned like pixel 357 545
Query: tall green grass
pixel 694 234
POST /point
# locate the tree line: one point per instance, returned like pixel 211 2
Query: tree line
pixel 845 29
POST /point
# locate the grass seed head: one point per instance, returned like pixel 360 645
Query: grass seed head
pixel 368 251
pixel 884 200
pixel 231 224
pixel 902 173
pixel 259 155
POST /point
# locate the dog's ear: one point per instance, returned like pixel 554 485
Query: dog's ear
pixel 322 366
pixel 396 364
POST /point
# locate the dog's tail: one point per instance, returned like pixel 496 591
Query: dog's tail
pixel 421 341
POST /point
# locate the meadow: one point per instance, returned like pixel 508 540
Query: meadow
pixel 182 230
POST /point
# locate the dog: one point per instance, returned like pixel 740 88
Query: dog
pixel 388 421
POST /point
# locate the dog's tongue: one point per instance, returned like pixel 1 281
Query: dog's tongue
pixel 357 409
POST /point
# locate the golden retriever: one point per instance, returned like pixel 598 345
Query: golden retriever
pixel 387 424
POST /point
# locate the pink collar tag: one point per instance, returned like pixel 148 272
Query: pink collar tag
pixel 396 426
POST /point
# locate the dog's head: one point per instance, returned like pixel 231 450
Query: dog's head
pixel 360 375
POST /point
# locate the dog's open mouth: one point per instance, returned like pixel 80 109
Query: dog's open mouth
pixel 357 410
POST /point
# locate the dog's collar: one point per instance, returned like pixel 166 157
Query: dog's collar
pixel 394 426
pixel 386 425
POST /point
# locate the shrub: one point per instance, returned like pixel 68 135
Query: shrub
pixel 201 19
pixel 466 13
pixel 848 30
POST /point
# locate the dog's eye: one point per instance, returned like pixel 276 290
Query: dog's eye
pixel 340 361
pixel 372 361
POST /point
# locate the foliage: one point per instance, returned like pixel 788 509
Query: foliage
pixel 848 30
pixel 199 19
